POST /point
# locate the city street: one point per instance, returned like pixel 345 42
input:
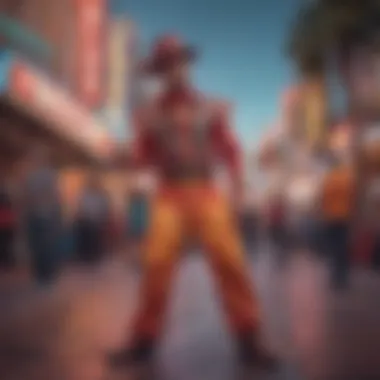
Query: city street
pixel 64 333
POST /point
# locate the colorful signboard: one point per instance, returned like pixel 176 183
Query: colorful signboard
pixel 47 102
pixel 90 34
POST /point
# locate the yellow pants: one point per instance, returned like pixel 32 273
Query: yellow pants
pixel 202 213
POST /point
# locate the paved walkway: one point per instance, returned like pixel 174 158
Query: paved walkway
pixel 63 333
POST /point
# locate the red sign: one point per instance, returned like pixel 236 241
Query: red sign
pixel 90 50
pixel 22 82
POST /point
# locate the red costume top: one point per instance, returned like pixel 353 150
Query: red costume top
pixel 184 135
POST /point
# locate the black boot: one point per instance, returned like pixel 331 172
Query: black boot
pixel 141 352
pixel 253 354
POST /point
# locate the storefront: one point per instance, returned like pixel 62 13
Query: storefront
pixel 34 110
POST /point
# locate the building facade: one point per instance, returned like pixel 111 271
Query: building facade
pixel 75 31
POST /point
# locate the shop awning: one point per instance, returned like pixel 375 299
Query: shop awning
pixel 36 95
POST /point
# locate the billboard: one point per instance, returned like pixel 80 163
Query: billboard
pixel 90 31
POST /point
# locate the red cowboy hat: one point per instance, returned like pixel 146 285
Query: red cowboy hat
pixel 167 50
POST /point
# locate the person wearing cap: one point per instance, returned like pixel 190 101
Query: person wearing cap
pixel 183 134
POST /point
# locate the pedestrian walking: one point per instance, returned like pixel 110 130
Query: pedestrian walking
pixel 336 205
pixel 7 228
pixel 92 221
pixel 43 216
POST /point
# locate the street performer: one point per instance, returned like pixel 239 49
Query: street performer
pixel 183 136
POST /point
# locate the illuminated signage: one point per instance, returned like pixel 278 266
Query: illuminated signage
pixel 48 102
pixel 90 28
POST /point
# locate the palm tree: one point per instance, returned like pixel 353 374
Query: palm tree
pixel 305 44
pixel 306 47
pixel 323 34
pixel 330 28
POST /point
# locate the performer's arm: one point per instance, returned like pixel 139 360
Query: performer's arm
pixel 144 148
pixel 230 151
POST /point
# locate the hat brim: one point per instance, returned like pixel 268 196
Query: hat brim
pixel 158 64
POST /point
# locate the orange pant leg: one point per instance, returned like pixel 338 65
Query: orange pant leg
pixel 160 255
pixel 219 235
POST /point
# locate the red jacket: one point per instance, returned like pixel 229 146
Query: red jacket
pixel 150 150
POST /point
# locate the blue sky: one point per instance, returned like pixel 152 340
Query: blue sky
pixel 241 44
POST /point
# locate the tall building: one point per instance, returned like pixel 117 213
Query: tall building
pixel 58 43
pixel 74 29
pixel 91 29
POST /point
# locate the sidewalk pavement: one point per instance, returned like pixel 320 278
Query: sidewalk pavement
pixel 64 332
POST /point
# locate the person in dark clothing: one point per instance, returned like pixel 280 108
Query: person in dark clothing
pixel 7 229
pixel 374 217
pixel 336 206
pixel 337 236
pixel 376 253
pixel 91 222
pixel 43 217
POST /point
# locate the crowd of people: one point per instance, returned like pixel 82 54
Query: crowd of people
pixel 33 215
pixel 323 212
